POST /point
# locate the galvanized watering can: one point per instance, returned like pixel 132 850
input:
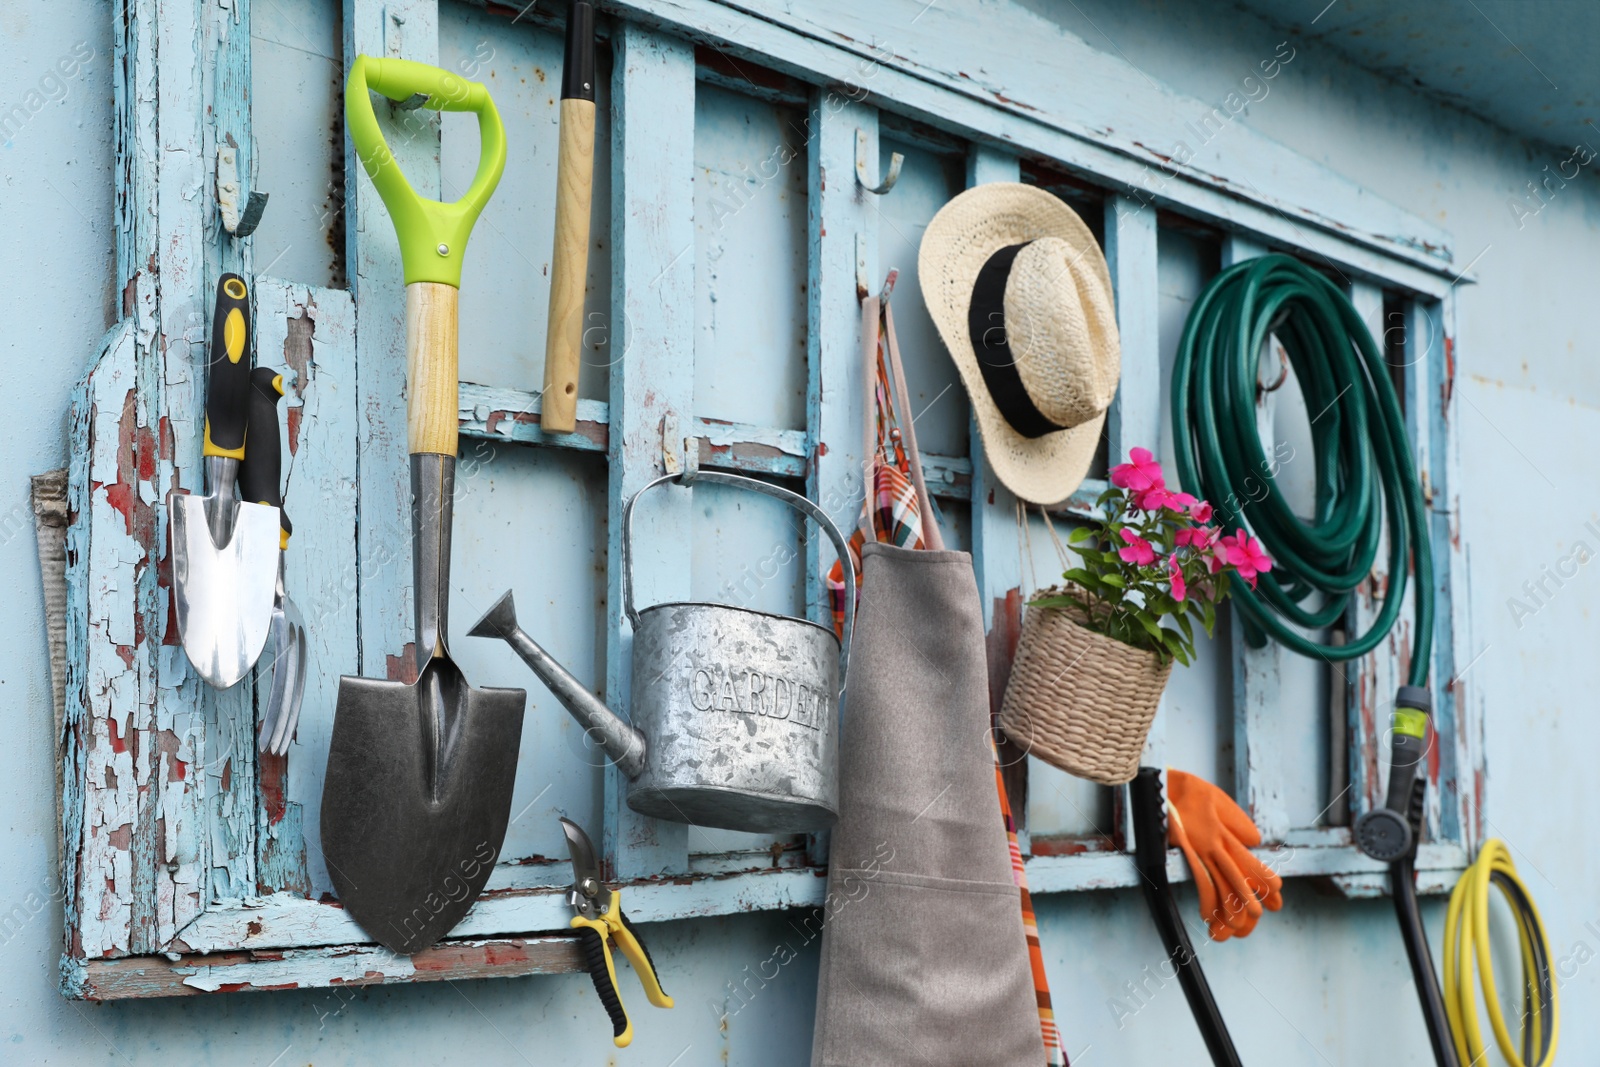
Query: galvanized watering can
pixel 735 711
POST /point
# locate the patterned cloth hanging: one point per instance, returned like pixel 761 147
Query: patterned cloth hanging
pixel 892 512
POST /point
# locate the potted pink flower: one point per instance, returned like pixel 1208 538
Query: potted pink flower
pixel 1095 652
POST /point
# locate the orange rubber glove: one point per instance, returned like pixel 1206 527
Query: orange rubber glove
pixel 1216 837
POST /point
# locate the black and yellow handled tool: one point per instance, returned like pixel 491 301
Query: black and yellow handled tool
pixel 224 552
pixel 598 918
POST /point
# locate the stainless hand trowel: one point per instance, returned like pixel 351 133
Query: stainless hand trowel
pixel 224 552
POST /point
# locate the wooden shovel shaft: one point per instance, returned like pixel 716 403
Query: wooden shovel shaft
pixel 569 267
pixel 432 418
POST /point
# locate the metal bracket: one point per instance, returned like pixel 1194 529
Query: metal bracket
pixel 238 223
pixel 863 149
pixel 691 459
pixel 863 283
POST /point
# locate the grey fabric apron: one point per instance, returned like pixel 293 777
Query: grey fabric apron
pixel 924 959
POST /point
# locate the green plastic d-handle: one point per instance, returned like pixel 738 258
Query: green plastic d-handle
pixel 433 235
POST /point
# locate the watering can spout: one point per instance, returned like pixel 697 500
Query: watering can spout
pixel 624 744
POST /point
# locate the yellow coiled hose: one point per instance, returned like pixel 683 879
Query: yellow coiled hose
pixel 1466 939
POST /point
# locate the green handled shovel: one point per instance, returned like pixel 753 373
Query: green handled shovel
pixel 418 789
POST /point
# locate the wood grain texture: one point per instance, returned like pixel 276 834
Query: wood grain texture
pixel 139 977
pixel 432 330
pixel 569 266
pixel 652 290
pixel 308 332
pixel 1066 98
pixel 1258 770
pixel 407 29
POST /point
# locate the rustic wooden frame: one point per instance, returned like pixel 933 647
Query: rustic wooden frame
pixel 181 873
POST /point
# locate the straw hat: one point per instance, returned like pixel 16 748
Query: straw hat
pixel 1022 297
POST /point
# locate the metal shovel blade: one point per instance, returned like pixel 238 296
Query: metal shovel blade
pixel 223 594
pixel 417 798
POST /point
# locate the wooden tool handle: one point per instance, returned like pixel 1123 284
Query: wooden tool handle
pixel 569 267
pixel 432 416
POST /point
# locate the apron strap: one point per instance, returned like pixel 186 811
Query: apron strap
pixel 931 537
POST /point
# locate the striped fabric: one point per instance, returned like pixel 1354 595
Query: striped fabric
pixel 1054 1054
pixel 892 515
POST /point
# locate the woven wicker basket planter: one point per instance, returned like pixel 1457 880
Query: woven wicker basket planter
pixel 1080 700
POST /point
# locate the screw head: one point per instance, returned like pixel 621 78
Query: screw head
pixel 444 249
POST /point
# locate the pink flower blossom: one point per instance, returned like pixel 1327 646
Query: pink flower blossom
pixel 1200 511
pixel 1159 496
pixel 1198 538
pixel 1175 575
pixel 1138 551
pixel 1246 556
pixel 1139 475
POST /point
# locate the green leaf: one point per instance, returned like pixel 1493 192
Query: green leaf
pixel 1114 579
pixel 1151 627
pixel 1188 630
pixel 1181 650
pixel 1083 577
pixel 1080 535
pixel 1054 602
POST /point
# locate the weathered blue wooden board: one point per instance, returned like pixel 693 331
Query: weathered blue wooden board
pixel 652 387
pixel 919 56
pixel 296 109
pixel 725 319
pixel 534 521
pixel 750 161
pixel 308 334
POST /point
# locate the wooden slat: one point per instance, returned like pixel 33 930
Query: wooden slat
pixel 652 264
pixel 309 333
pixel 995 553
pixel 841 224
pixel 287 920
pixel 408 29
pixel 1257 740
pixel 1456 690
pixel 230 763
pixel 841 251
pixel 141 977
pixel 1134 420
pixel 1370 692
pixel 1041 102
pixel 511 416
pixel 1457 778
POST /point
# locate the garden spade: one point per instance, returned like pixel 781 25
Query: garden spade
pixel 224 552
pixel 418 789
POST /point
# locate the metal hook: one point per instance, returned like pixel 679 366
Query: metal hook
pixel 238 223
pixel 1283 372
pixel 888 287
pixel 863 148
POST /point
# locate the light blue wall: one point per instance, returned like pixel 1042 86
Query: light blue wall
pixel 1324 982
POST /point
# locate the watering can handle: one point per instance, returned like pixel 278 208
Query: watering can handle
pixel 433 235
pixel 794 500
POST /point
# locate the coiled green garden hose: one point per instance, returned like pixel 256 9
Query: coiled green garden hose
pixel 1365 478
pixel 1365 474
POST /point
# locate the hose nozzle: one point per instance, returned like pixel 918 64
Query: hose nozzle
pixel 1390 833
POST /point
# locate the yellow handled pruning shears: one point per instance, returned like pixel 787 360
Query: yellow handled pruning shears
pixel 599 920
